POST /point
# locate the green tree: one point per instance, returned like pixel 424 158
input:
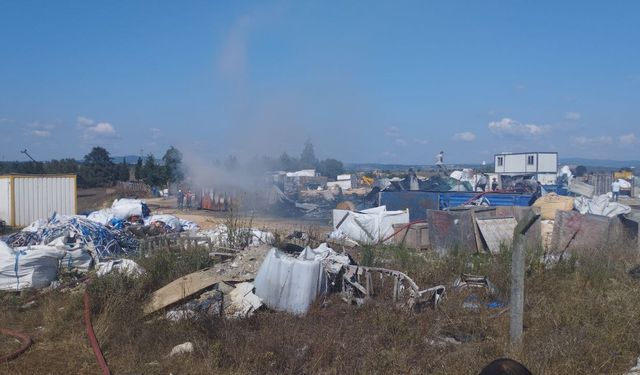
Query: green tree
pixel 330 168
pixel 288 163
pixel 173 164
pixel 138 169
pixel 123 171
pixel 152 173
pixel 308 157
pixel 97 169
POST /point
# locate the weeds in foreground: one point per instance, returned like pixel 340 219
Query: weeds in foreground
pixel 582 316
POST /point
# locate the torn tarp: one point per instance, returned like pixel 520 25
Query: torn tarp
pixel 600 205
pixel 369 226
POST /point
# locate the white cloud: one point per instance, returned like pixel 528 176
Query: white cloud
pixel 628 139
pixel 40 133
pixel 508 126
pixel 104 128
pixel 572 116
pixel 84 121
pixel 401 142
pixel 392 131
pixel 92 130
pixel 519 86
pixel 464 136
pixel 587 141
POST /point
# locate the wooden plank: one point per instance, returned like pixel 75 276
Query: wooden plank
pixel 497 231
pixel 476 232
pixel 182 288
pixel 581 188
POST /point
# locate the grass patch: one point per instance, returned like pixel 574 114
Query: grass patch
pixel 582 316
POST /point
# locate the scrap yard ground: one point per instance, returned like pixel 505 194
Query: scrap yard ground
pixel 581 316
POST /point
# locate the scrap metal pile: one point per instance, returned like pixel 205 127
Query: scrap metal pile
pixel 34 256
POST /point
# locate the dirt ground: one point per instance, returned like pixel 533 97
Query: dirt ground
pixel 209 219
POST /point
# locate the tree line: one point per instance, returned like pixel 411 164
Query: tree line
pixel 97 168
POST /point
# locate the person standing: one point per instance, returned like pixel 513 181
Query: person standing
pixel 615 189
pixel 189 198
pixel 482 182
pixel 440 162
pixel 180 199
pixel 413 180
pixel 494 184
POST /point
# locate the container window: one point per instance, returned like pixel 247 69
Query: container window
pixel 530 160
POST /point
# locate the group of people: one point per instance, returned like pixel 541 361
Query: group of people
pixel 183 198
pixel 482 183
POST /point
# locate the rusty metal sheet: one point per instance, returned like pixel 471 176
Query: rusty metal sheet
pixel 574 232
pixel 497 231
pixel 449 230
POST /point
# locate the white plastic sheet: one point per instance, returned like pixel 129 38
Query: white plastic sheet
pixel 368 226
pixel 600 205
pixel 289 284
pixel 125 266
pixel 169 220
pixel 103 216
pixel 125 208
pixel 28 267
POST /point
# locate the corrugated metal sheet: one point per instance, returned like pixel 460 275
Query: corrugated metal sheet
pixel 33 197
pixel 5 200
pixel 601 182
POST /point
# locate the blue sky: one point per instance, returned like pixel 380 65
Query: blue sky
pixel 391 82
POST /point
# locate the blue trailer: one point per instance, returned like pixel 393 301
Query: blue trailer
pixel 419 201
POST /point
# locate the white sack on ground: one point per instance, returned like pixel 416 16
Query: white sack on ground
pixel 28 267
pixel 103 216
pixel 367 226
pixel 600 205
pixel 125 208
pixel 125 266
pixel 77 257
pixel 169 220
pixel 289 284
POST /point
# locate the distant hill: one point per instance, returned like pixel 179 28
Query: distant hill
pixel 603 163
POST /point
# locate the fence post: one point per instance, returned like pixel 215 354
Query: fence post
pixel 517 276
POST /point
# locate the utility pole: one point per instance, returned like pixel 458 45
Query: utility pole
pixel 27 153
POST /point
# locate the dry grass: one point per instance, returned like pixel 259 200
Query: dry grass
pixel 581 317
